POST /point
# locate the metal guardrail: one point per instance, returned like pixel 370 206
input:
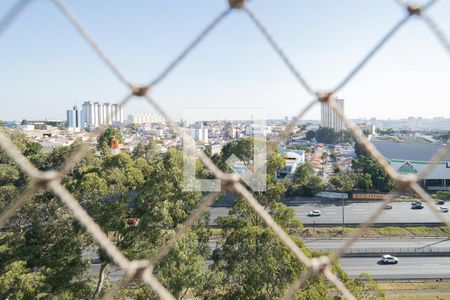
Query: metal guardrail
pixel 409 224
pixel 397 251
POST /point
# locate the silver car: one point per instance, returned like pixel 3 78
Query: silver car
pixel 314 213
pixel 389 259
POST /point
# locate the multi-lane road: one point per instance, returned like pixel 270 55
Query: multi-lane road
pixel 407 268
pixel 401 212
pixel 382 244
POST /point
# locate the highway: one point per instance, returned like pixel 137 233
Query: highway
pixel 416 243
pixel 407 268
pixel 401 212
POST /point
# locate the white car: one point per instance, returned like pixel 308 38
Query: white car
pixel 314 213
pixel 389 259
pixel 444 209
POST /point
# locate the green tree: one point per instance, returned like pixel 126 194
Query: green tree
pixel 250 262
pixel 50 244
pixel 310 134
pixel 147 151
pixel 345 136
pixel 298 147
pixel 333 156
pixel 242 148
pixel 161 206
pixel 107 136
pixel 442 195
pixel 359 150
pixel 342 182
pixel 364 181
pixel 306 182
pixel 367 170
pixel 388 131
pixel 17 281
pixel 326 135
pixel 139 150
pixel 8 174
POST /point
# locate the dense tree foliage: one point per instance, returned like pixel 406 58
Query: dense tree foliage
pixel 298 147
pixel 250 262
pixel 41 256
pixel 306 182
pixel 388 131
pixel 442 195
pixel 107 136
pixel 310 134
pixel 139 201
pixel 326 135
pixel 370 175
pixel 342 182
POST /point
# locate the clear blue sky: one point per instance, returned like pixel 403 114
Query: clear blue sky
pixel 45 66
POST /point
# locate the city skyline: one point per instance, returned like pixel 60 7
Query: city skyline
pixel 408 75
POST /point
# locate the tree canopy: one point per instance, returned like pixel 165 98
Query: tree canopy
pixel 139 201
pixel 306 182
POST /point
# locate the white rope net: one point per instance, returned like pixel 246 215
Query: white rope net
pixel 322 266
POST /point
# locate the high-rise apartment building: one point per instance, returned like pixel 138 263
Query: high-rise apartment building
pixel 199 133
pixel 94 114
pixel 73 118
pixel 329 118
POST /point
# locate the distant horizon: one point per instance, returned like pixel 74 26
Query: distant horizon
pixel 230 119
pixel 47 66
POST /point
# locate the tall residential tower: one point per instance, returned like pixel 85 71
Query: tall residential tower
pixel 94 114
pixel 329 118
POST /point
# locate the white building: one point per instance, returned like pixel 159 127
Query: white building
pixel 293 159
pixel 199 133
pixel 437 179
pixel 368 129
pixel 257 130
pixel 214 148
pixel 95 114
pixel 329 118
pixel 230 130
pixel 27 127
pixel 145 118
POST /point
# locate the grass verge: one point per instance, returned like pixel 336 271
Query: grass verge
pixel 378 232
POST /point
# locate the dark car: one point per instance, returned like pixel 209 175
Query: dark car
pixel 417 206
pixel 440 202
pixel 387 207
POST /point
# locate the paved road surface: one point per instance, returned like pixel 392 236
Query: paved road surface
pixel 417 243
pixel 114 276
pixel 408 267
pixel 401 212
